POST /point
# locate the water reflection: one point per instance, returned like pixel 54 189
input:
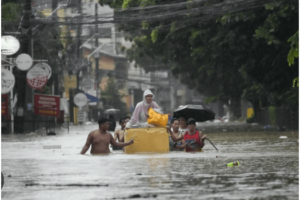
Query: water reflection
pixel 268 169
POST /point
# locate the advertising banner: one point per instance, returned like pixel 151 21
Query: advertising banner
pixel 47 105
pixel 4 104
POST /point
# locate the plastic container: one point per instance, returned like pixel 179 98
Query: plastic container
pixel 237 163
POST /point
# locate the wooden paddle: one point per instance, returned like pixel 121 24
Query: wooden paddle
pixel 212 144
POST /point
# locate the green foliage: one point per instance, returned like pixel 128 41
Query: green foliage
pixel 131 3
pixel 272 115
pixel 296 82
pixel 154 35
pixel 240 53
pixel 277 12
pixel 11 12
pixel 145 25
pixel 112 97
pixel 251 119
pixel 211 99
pixel 294 53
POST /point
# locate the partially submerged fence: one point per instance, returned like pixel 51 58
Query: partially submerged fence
pixel 283 118
pixel 43 124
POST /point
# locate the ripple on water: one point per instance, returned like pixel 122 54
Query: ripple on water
pixel 269 169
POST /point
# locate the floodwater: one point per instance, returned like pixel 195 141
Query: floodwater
pixel 269 169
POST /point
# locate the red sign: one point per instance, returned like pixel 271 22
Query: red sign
pixel 4 104
pixel 46 105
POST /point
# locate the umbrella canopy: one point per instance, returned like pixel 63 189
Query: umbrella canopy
pixel 199 112
pixel 111 111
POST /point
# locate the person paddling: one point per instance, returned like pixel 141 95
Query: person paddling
pixel 100 139
pixel 191 141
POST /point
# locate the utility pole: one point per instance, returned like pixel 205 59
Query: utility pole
pixel 55 77
pixel 78 34
pixel 73 92
pixel 97 54
pixel 24 92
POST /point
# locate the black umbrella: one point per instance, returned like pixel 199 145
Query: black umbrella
pixel 199 112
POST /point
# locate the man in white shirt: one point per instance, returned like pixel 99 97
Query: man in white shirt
pixel 183 127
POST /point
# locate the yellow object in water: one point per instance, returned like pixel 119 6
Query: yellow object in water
pixel 157 118
pixel 250 112
pixel 237 163
pixel 147 140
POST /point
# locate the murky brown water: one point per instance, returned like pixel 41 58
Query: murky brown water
pixel 269 169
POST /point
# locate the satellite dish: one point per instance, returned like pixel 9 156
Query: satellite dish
pixel 9 45
pixel 24 62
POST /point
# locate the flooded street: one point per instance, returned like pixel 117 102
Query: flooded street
pixel 269 169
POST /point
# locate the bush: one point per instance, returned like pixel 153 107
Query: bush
pixel 251 119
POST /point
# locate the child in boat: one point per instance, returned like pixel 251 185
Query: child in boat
pixel 191 141
pixel 119 134
pixel 101 138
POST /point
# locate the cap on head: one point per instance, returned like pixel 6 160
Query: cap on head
pixel 102 120
pixel 191 121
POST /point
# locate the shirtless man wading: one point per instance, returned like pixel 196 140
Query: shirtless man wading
pixel 119 134
pixel 101 138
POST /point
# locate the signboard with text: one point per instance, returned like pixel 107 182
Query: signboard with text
pixel 4 104
pixel 7 81
pixel 80 116
pixel 47 105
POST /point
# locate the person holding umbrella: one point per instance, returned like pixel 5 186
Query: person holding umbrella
pixel 192 140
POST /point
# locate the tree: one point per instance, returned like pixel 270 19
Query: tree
pixel 223 55
pixel 112 98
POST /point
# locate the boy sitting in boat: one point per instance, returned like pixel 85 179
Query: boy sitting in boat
pixel 119 134
pixel 101 138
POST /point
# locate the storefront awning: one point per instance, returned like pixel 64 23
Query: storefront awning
pixel 91 98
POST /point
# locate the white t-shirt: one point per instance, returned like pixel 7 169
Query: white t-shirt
pixel 182 131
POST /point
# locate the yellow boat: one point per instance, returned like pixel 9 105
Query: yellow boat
pixel 147 140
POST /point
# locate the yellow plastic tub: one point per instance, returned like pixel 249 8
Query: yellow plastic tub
pixel 147 140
